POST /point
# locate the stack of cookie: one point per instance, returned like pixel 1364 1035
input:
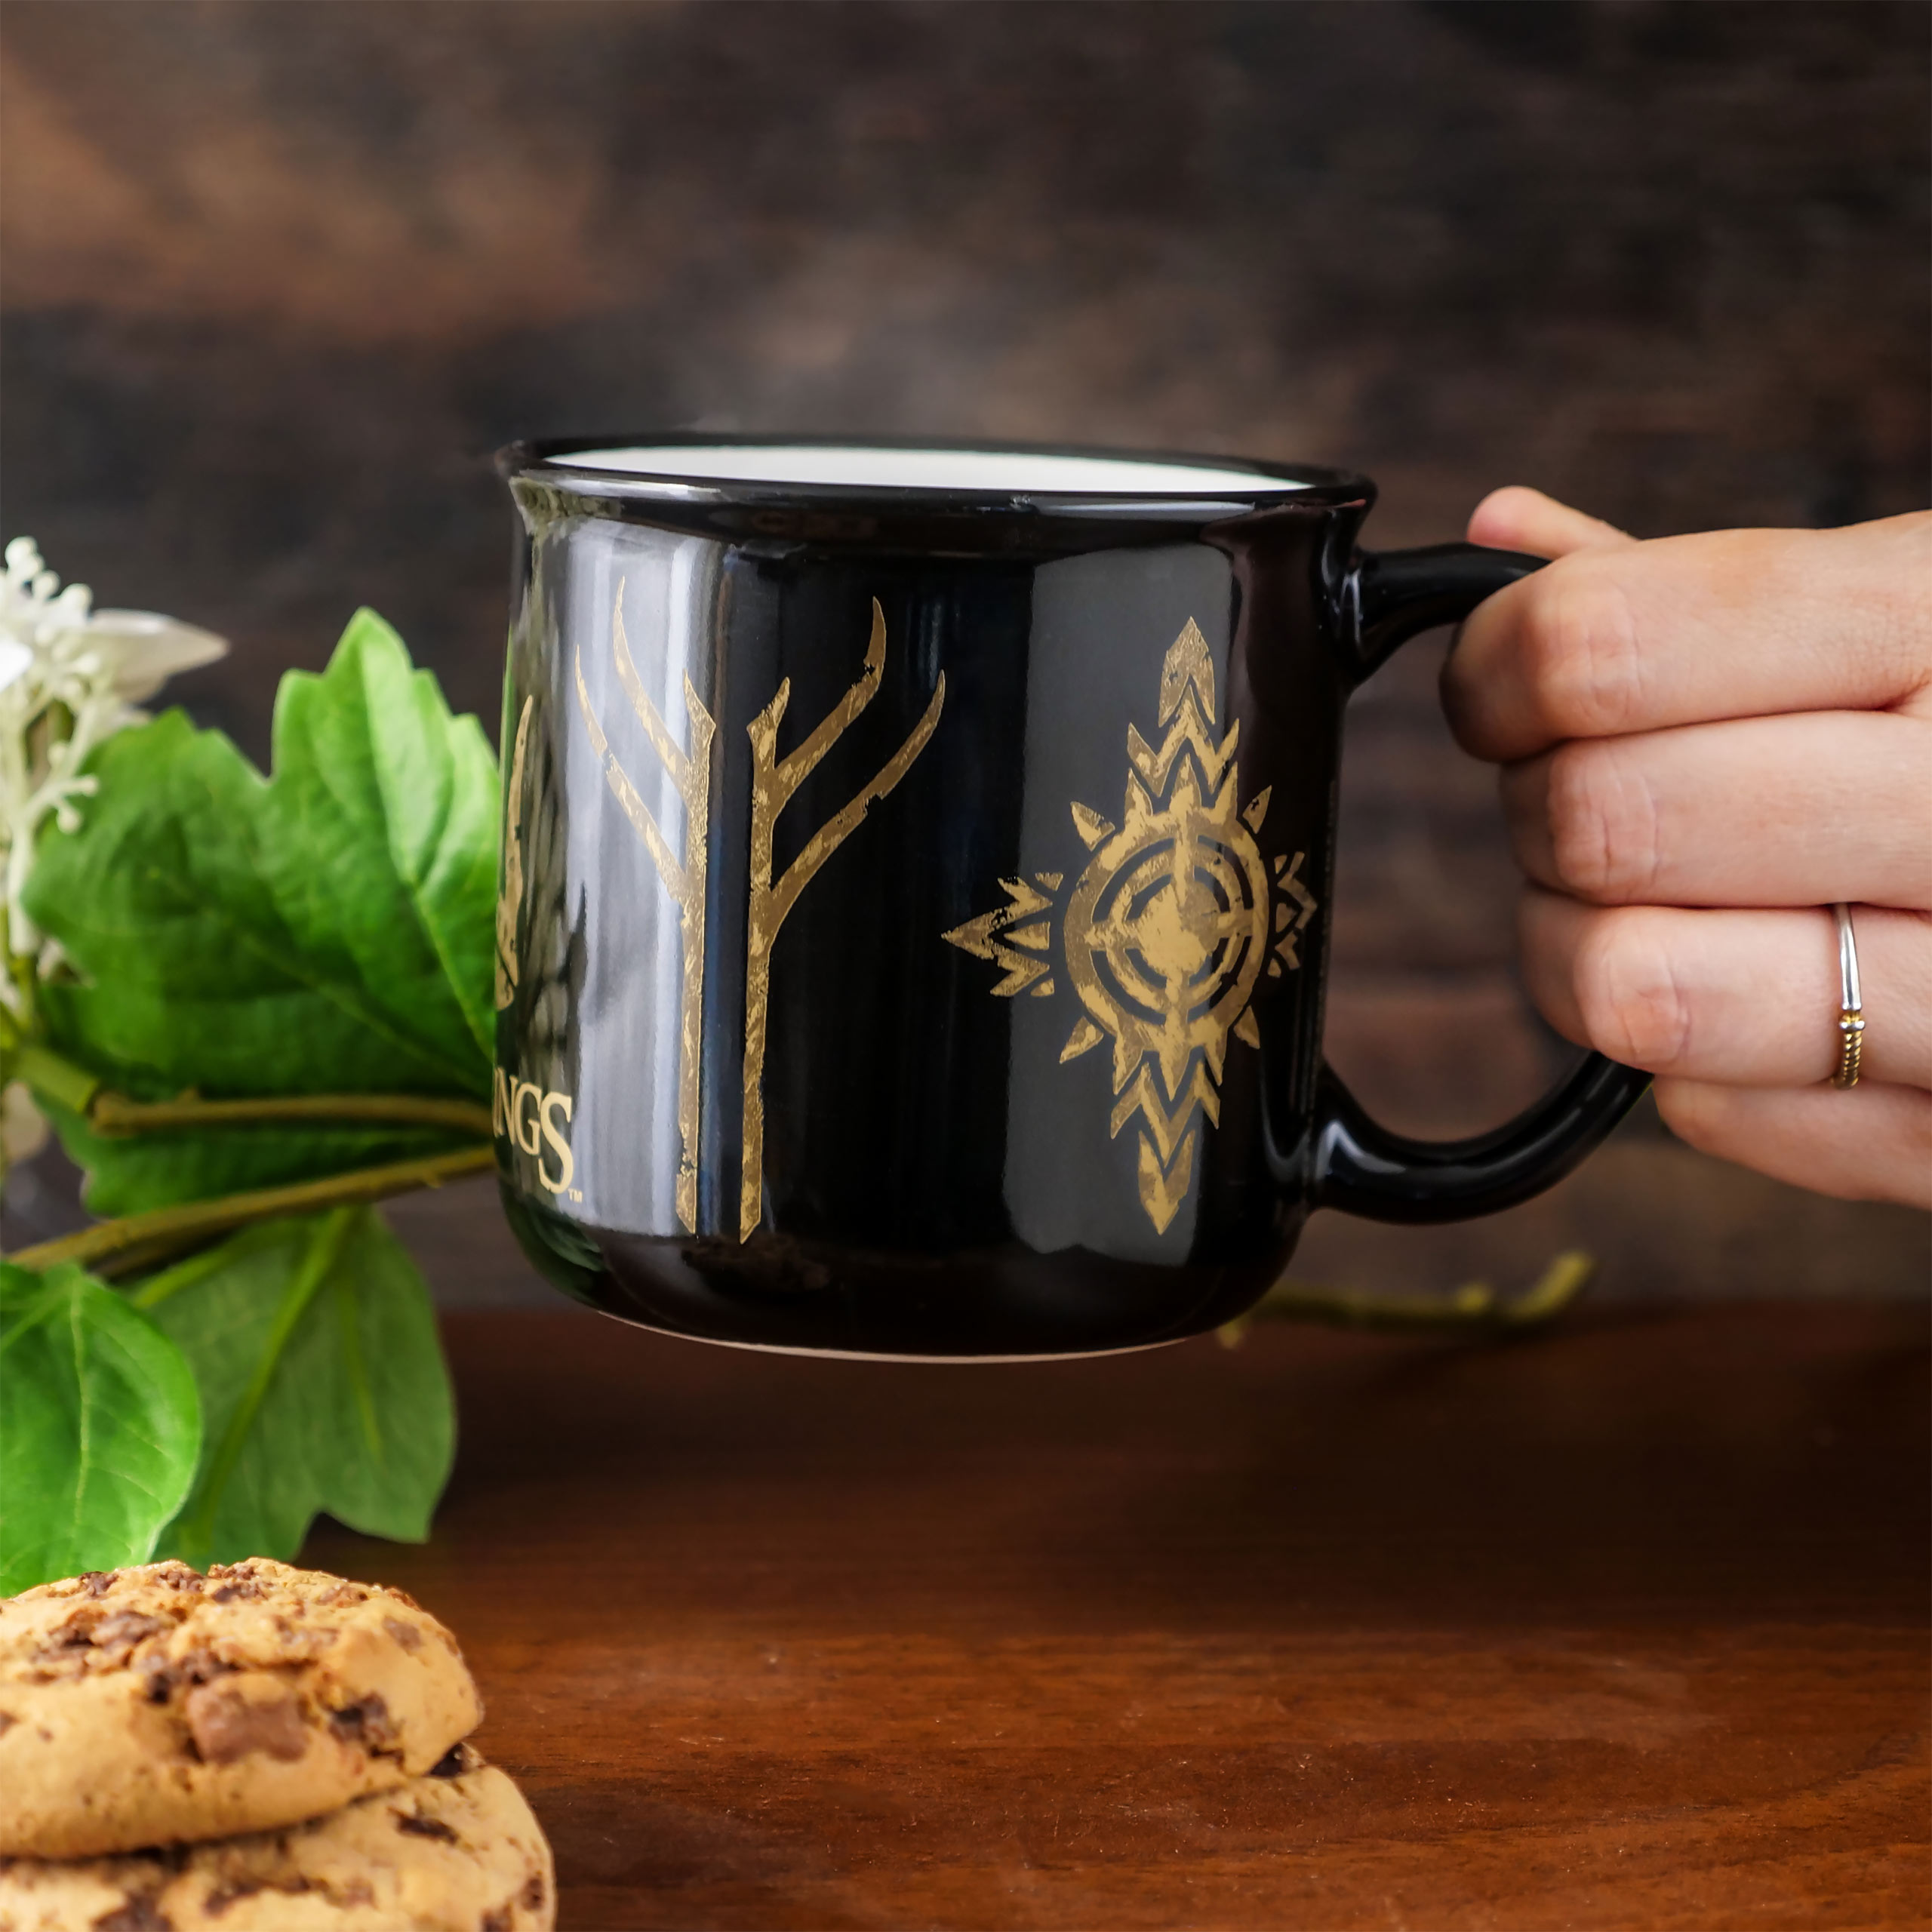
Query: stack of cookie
pixel 260 1750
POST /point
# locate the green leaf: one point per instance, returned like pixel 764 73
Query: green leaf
pixel 327 930
pixel 101 1428
pixel 322 1381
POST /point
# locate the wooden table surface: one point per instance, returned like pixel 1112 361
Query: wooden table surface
pixel 1625 1625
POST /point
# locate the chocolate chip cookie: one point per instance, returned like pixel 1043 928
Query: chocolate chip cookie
pixel 154 1706
pixel 455 1851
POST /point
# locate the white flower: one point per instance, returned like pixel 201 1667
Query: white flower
pixel 144 651
pixel 15 658
pixel 70 676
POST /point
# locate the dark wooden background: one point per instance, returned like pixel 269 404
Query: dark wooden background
pixel 277 277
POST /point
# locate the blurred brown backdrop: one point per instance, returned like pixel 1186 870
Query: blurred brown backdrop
pixel 278 276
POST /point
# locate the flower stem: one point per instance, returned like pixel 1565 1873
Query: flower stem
pixel 55 1079
pixel 108 1113
pixel 165 1229
pixel 115 1113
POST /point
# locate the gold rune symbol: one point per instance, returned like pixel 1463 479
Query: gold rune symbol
pixel 1166 931
pixel 690 775
pixel 773 781
pixel 509 896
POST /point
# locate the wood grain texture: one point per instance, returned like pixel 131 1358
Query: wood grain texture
pixel 1625 1626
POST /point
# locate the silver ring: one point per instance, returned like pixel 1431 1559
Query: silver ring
pixel 1851 1004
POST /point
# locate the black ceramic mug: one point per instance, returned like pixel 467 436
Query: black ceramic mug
pixel 916 893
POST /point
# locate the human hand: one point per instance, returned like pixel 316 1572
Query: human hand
pixel 1706 742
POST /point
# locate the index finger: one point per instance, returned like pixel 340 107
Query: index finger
pixel 1684 629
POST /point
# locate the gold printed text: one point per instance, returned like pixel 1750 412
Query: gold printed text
pixel 534 1122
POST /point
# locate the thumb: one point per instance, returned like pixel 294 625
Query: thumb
pixel 1516 518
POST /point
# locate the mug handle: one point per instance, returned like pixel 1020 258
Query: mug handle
pixel 1362 1168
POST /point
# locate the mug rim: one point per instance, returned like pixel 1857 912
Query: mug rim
pixel 1277 485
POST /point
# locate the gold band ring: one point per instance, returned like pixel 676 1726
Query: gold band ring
pixel 1852 1005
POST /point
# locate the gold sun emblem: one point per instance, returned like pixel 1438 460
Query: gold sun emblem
pixel 1166 933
